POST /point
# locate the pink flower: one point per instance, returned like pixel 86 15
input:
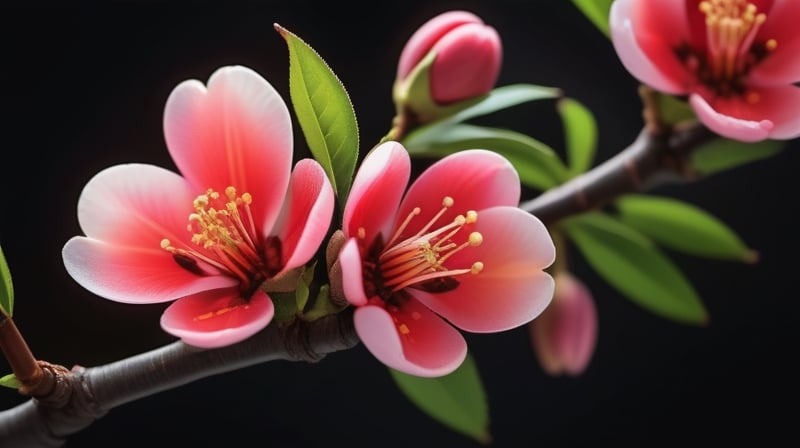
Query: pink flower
pixel 468 56
pixel 217 237
pixel 454 247
pixel 735 59
pixel 565 335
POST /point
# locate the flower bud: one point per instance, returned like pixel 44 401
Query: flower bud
pixel 565 334
pixel 451 58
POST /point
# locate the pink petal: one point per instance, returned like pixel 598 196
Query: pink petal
pixel 307 213
pixel 475 179
pixel 782 66
pixel 468 61
pixel 136 205
pixel 411 339
pixel 235 133
pixel 352 273
pixel 644 51
pixel 132 274
pixel 736 128
pixel 427 35
pixel 565 334
pixel 217 318
pixel 376 191
pixel 512 289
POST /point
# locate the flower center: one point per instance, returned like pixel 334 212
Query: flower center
pixel 731 50
pixel 224 236
pixel 420 260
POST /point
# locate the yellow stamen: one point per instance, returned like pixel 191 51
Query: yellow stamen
pixel 731 27
pixel 224 233
pixel 421 257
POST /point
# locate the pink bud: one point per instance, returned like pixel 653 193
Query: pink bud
pixel 565 334
pixel 469 54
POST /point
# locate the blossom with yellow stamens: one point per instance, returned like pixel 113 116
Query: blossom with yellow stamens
pixel 217 238
pixel 453 251
pixel 736 60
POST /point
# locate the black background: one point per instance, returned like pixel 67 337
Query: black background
pixel 84 88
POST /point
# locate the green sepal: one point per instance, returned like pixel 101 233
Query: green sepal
pixel 683 227
pixel 597 11
pixel 635 266
pixel 6 287
pixel 324 111
pixel 674 110
pixel 322 306
pixel 457 400
pixel 723 154
pixel 580 134
pixel 537 164
pixel 10 381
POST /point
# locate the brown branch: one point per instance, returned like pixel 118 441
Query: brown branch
pixel 96 390
pixel 654 158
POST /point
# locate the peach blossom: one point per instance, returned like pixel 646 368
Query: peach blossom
pixel 217 237
pixel 453 252
pixel 735 60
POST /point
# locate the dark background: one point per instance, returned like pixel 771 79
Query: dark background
pixel 84 88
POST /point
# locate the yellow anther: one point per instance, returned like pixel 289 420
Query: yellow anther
pixel 476 267
pixel 447 202
pixel 362 233
pixel 165 244
pixel 404 330
pixel 472 217
pixel 771 44
pixel 475 239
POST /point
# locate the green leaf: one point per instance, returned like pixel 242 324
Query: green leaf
pixel 10 381
pixel 6 287
pixel 723 154
pixel 580 134
pixel 322 306
pixel 457 400
pixel 324 112
pixel 635 266
pixel 537 164
pixel 683 227
pixel 597 11
pixel 504 97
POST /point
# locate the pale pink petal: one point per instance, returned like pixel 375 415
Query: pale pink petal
pixel 637 49
pixel 136 205
pixel 512 289
pixel 235 133
pixel 473 49
pixel 730 126
pixel 412 339
pixel 352 273
pixel 376 191
pixel 474 179
pixel 782 65
pixel 565 334
pixel 132 274
pixel 306 215
pixel 421 42
pixel 217 318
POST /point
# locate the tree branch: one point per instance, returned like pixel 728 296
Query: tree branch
pixel 652 159
pixel 94 391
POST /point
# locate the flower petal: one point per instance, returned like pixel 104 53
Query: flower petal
pixel 644 53
pixel 376 191
pixel 421 42
pixel 475 179
pixel 306 215
pixel 411 339
pixel 720 118
pixel 133 275
pixel 136 205
pixel 512 289
pixel 235 133
pixel 217 318
pixel 782 66
pixel 352 273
